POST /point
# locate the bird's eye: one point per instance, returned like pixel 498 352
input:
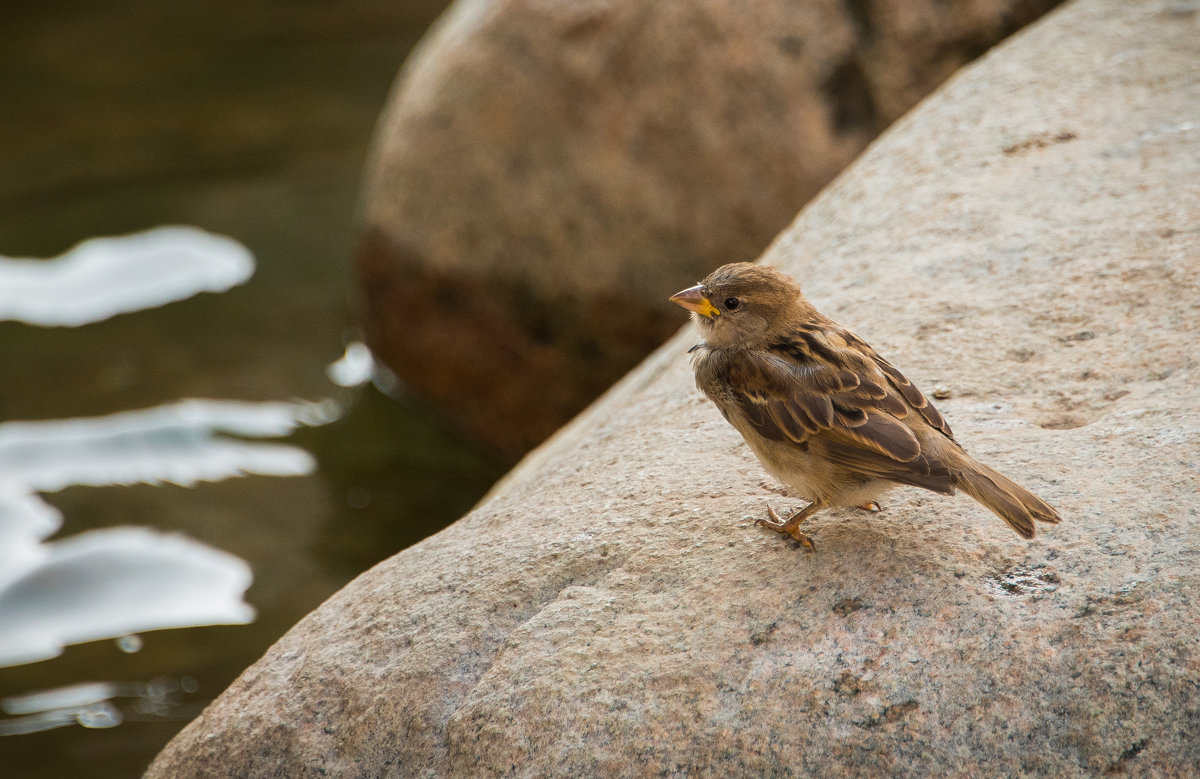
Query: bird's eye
pixel 732 303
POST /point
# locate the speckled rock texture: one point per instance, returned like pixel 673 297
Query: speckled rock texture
pixel 546 168
pixel 1026 241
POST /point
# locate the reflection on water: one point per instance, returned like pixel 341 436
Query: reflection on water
pixel 91 705
pixel 177 443
pixel 108 583
pixel 103 277
pixel 355 368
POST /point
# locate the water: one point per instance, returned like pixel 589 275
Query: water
pixel 249 121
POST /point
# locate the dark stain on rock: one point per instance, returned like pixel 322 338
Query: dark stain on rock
pixel 1063 422
pixel 1039 141
pixel 898 710
pixel 1024 581
pixel 760 637
pixel 847 606
pixel 1120 765
pixel 1128 596
pixel 888 714
pixel 847 685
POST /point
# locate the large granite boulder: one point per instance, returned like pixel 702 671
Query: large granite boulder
pixel 1026 242
pixel 545 169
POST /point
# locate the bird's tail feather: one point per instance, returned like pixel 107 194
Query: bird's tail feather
pixel 1008 500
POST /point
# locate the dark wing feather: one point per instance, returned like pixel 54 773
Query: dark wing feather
pixel 785 420
pixel 824 388
pixel 890 436
pixel 817 410
pixel 781 403
pixel 849 415
pixel 923 471
pixel 913 397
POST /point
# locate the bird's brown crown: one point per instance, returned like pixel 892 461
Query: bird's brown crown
pixel 756 283
pixel 749 299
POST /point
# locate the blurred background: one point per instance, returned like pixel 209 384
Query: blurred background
pixel 250 120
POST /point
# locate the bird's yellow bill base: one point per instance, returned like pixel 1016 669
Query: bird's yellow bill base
pixel 693 299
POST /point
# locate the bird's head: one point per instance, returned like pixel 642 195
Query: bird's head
pixel 740 304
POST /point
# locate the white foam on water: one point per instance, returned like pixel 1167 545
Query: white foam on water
pixel 102 277
pixel 114 582
pixel 176 443
pixel 111 582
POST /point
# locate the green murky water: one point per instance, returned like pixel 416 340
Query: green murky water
pixel 251 120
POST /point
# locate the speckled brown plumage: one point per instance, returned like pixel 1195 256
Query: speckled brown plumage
pixel 822 411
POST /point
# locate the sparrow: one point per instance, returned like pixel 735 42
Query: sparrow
pixel 822 411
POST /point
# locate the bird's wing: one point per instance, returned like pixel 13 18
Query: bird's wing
pixel 818 389
pixel 900 383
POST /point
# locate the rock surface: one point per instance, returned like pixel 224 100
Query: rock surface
pixel 546 169
pixel 1026 240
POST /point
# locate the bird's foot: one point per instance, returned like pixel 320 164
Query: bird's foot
pixel 871 506
pixel 790 527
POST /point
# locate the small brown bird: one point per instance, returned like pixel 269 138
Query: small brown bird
pixel 824 413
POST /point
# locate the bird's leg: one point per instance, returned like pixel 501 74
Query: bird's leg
pixel 871 506
pixel 792 525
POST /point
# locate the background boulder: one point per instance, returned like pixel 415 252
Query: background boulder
pixel 546 173
pixel 1026 241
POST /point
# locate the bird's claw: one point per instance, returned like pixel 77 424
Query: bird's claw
pixel 788 528
pixel 804 540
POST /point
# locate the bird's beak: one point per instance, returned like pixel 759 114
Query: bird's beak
pixel 693 299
